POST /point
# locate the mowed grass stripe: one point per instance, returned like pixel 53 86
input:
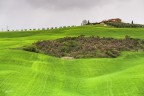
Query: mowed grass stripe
pixel 31 74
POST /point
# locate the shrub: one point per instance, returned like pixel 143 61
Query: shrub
pixel 31 48
pixel 124 25
pixel 86 47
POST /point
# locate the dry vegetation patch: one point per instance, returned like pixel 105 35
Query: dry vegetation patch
pixel 86 47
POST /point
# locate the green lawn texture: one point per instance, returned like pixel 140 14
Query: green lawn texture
pixel 31 74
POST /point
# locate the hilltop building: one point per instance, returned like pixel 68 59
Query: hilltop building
pixel 116 20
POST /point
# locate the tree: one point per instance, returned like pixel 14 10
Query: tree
pixel 84 22
pixel 43 28
pixel 88 22
pixel 132 22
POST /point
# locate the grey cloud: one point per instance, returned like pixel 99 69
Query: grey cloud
pixel 47 13
pixel 68 4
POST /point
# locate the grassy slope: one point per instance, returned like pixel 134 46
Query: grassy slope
pixel 30 74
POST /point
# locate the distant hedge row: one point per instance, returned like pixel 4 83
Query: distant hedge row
pixel 125 25
pixel 43 28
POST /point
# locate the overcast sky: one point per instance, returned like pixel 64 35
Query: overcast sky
pixel 19 14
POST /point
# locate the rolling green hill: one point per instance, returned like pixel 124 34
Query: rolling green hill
pixel 31 74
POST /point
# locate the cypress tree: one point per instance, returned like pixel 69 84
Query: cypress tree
pixel 132 22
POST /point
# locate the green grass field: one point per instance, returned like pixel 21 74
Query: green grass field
pixel 30 74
